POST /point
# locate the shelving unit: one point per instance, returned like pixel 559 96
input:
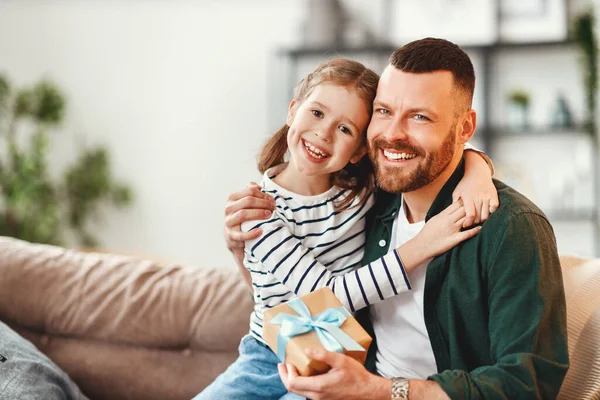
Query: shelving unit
pixel 489 134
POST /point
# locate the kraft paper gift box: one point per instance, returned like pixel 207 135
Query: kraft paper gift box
pixel 317 302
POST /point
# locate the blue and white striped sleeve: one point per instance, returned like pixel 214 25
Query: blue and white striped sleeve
pixel 488 160
pixel 294 265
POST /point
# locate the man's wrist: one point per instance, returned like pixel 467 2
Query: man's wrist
pixel 399 389
pixel 384 389
pixel 426 390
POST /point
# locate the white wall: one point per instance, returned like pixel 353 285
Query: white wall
pixel 183 94
pixel 178 91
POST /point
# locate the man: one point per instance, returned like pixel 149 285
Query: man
pixel 485 319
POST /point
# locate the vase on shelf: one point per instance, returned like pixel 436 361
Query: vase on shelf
pixel 324 23
pixel 562 117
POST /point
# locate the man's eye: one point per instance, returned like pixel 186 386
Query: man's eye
pixel 420 117
pixel 317 113
pixel 383 111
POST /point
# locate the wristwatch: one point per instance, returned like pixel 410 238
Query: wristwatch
pixel 399 389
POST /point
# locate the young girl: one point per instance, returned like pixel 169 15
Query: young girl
pixel 315 236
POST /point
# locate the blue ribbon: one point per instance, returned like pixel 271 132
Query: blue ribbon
pixel 326 324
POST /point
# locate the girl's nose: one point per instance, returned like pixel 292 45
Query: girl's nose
pixel 324 134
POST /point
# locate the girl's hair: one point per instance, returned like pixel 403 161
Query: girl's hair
pixel 358 178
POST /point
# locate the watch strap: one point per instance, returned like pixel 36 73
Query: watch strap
pixel 399 389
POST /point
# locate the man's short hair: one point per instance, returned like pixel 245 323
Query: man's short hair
pixel 433 54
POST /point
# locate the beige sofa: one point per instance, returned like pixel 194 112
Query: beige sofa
pixel 125 328
pixel 121 327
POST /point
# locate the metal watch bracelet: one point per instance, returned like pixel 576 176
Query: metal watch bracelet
pixel 399 389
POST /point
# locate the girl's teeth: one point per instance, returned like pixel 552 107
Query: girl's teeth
pixel 314 151
pixel 398 156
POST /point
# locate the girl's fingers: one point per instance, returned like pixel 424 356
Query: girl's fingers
pixel 455 196
pixel 478 205
pixel 469 233
pixel 458 214
pixel 494 205
pixel 470 214
pixel 452 208
pixel 485 210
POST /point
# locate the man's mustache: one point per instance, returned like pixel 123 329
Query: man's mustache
pixel 397 146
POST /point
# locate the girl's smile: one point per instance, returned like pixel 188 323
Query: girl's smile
pixel 315 153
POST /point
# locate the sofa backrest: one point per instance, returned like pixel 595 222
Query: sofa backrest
pixel 121 299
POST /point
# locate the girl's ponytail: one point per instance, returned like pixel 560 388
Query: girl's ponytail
pixel 273 151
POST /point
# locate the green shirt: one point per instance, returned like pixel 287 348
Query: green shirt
pixel 494 305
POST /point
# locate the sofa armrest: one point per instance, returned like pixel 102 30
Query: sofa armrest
pixel 582 281
pixel 121 299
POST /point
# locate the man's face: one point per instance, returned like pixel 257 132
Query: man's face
pixel 412 135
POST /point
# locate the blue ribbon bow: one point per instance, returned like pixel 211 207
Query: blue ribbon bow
pixel 326 324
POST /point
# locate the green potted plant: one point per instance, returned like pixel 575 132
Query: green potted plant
pixel 585 39
pixel 34 205
pixel 518 109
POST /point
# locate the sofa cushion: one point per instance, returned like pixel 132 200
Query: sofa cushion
pixel 109 371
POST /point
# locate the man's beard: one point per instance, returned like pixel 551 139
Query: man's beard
pixel 400 179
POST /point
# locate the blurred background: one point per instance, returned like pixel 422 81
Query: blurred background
pixel 125 125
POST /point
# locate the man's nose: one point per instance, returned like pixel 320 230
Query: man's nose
pixel 396 130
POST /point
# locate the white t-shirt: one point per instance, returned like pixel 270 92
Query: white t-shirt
pixel 403 346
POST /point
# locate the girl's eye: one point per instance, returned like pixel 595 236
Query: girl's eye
pixel 345 130
pixel 317 113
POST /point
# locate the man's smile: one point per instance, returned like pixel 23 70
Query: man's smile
pixel 397 156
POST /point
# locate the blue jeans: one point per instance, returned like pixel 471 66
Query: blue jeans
pixel 252 376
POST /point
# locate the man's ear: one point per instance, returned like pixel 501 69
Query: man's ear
pixel 291 112
pixel 360 153
pixel 467 127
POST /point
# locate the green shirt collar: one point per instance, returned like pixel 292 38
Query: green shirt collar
pixel 444 197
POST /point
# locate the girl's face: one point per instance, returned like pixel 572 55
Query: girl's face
pixel 326 130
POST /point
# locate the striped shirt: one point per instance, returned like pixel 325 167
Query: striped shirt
pixel 309 243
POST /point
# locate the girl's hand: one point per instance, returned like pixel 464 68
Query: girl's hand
pixel 443 232
pixel 476 190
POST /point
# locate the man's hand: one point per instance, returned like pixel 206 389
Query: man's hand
pixel 246 205
pixel 347 379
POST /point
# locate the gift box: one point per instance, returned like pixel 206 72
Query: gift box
pixel 315 320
